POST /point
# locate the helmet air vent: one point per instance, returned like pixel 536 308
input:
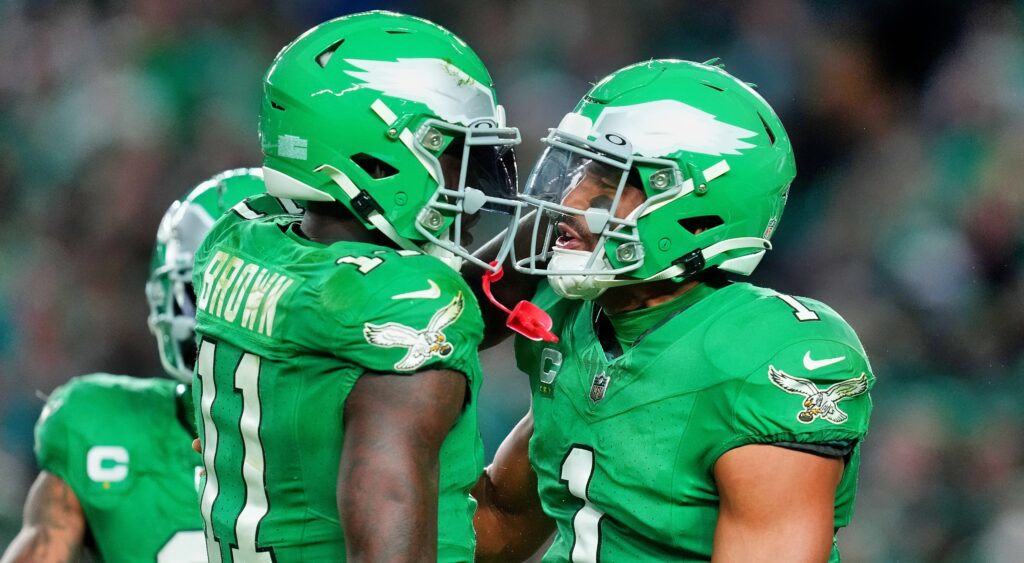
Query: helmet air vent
pixel 375 167
pixel 767 129
pixel 701 223
pixel 277 106
pixel 713 87
pixel 325 56
pixel 397 31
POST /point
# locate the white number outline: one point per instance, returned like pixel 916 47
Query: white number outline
pixel 577 471
pixel 256 507
pixel 182 548
pixel 366 264
pixel 204 368
pixel 800 311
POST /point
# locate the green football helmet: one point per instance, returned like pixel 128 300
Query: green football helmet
pixel 362 109
pixel 710 156
pixel 169 290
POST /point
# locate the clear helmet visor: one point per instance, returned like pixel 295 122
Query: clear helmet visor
pixel 582 200
pixel 490 170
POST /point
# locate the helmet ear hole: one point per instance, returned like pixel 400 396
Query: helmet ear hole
pixel 373 166
pixel 701 223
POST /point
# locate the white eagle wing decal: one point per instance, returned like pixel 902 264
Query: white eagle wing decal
pixel 790 384
pixel 664 126
pixel 447 315
pixel 843 390
pixel 390 335
pixel 422 344
pixel 818 403
pixel 452 94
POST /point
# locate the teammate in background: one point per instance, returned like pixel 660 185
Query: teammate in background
pixel 115 474
pixel 680 417
pixel 337 374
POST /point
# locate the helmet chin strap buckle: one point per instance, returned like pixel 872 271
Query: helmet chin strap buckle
pixel 691 263
pixel 525 318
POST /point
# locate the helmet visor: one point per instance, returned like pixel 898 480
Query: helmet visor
pixel 584 200
pixel 491 169
pixel 568 178
pixel 478 172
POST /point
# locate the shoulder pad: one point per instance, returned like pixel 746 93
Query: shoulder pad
pixel 91 425
pixel 748 335
pixel 373 275
pixel 400 313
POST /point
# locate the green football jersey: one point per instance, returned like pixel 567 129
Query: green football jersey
pixel 121 444
pixel 286 327
pixel 624 448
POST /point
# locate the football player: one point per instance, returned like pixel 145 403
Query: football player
pixel 680 417
pixel 115 475
pixel 337 372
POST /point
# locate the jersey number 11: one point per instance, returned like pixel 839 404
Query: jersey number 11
pixel 252 466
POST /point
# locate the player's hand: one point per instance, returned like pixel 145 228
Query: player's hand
pixel 199 449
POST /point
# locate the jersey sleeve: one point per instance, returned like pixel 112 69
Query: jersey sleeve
pixel 406 314
pixel 809 392
pixel 51 432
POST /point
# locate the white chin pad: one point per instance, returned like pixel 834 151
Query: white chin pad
pixel 574 286
pixel 452 260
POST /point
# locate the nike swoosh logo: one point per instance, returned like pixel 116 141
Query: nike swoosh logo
pixel 811 364
pixel 433 293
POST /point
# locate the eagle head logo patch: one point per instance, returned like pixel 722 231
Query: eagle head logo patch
pixel 819 403
pixel 421 344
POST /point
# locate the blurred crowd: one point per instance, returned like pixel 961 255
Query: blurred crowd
pixel 907 215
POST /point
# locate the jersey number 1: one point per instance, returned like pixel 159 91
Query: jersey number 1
pixel 577 471
pixel 246 381
pixel 800 311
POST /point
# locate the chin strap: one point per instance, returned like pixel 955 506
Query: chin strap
pixel 372 215
pixel 525 318
pixel 695 261
pixel 405 136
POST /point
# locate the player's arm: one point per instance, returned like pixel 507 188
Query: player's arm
pixel 510 522
pixel 54 524
pixel 389 472
pixel 776 505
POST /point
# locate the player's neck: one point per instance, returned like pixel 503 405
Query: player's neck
pixel 643 295
pixel 328 227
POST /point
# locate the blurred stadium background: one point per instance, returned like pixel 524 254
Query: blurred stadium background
pixel 907 215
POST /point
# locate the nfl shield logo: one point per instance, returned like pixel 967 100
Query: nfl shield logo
pixel 598 387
